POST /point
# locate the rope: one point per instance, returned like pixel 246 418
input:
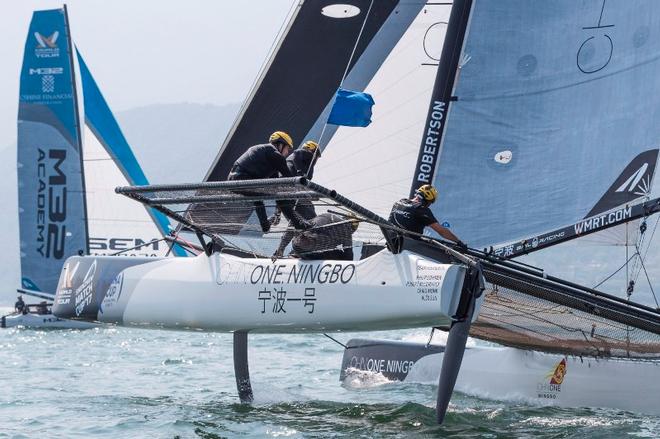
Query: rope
pixel 649 281
pixel 343 78
pixel 617 270
pixel 336 341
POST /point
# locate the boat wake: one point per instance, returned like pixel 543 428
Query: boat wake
pixel 360 379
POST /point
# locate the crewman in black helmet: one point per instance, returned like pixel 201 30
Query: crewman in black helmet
pixel 414 214
pixel 266 161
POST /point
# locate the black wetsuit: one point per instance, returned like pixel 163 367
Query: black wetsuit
pixel 19 306
pixel 259 161
pixel 411 215
pixel 329 238
pixel 265 161
pixel 301 163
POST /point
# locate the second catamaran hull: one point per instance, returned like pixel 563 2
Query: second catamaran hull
pixel 227 293
pixel 510 374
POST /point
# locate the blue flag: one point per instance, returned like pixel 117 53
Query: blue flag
pixel 351 108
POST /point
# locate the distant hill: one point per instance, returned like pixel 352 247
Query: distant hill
pixel 174 143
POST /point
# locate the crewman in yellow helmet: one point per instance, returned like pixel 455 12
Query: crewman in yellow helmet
pixel 265 161
pixel 301 163
pixel 414 214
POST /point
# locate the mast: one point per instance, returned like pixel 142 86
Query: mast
pixel 429 149
pixel 74 91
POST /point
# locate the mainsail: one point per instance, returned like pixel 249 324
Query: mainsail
pixel 51 188
pixel 70 158
pixel 550 102
pixel 395 60
pixel 542 112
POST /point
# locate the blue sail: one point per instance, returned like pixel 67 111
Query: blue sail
pixel 51 198
pixel 551 103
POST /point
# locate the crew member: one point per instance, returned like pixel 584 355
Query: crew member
pixel 20 306
pixel 330 237
pixel 414 214
pixel 301 163
pixel 266 161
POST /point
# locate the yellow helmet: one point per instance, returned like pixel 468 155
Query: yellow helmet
pixel 427 192
pixel 312 147
pixel 281 136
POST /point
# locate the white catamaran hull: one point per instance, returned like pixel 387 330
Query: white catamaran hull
pixel 222 292
pixel 511 374
pixel 43 321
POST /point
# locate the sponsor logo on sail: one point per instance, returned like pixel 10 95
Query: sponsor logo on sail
pixel 636 183
pixel 128 246
pixel 47 45
pixel 550 388
pixel 597 222
pixel 431 147
pixel 51 203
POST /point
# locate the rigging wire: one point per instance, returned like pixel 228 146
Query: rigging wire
pixel 649 281
pixel 336 341
pixel 617 270
pixel 343 78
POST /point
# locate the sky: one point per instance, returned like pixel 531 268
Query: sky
pixel 151 51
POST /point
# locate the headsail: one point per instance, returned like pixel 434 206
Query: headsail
pixel 538 133
pixel 51 186
pixel 115 224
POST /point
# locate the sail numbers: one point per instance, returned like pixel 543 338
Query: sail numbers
pixel 595 51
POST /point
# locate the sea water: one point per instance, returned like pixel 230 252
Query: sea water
pixel 132 383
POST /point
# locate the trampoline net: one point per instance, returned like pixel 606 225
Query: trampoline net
pixel 530 312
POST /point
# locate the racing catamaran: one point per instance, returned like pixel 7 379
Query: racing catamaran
pixel 398 280
pixel 526 140
pixel 67 171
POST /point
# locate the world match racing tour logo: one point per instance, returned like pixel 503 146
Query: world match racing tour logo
pixel 46 46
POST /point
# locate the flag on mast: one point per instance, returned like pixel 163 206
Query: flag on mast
pixel 351 108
